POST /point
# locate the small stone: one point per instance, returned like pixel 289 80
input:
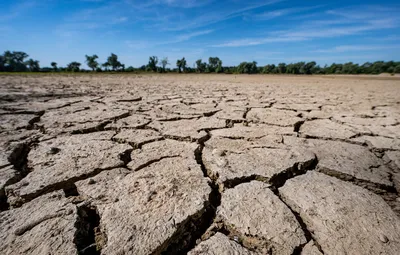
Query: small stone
pixel 54 150
pixel 91 181
pixel 219 153
pixel 383 238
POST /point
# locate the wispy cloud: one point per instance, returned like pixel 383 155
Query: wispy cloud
pixel 188 36
pixel 365 12
pixel 139 44
pixel 355 23
pixel 186 3
pixel 119 20
pixel 283 12
pixel 94 1
pixel 17 9
pixel 351 48
pixel 388 38
pixel 213 17
pixel 339 31
pixel 331 58
pixel 259 41
pixel 92 19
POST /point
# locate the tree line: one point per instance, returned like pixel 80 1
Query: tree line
pixel 18 61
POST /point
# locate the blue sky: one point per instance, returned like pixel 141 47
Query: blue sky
pixel 270 31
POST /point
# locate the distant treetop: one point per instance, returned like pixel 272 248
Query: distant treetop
pixel 15 61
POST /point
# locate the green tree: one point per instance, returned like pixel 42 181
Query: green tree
pixel 219 68
pixel 2 63
pixel 152 65
pixel 213 64
pixel 201 66
pixel 334 69
pixel 292 69
pixel 269 69
pixel 308 67
pixel 366 68
pixel 106 65
pixel 350 68
pixel 33 65
pixel 397 68
pixel 15 61
pixel 91 62
pixel 74 66
pixel 130 69
pixel 54 65
pixel 181 64
pixel 378 67
pixel 113 62
pixel 282 68
pixel 164 63
pixel 247 67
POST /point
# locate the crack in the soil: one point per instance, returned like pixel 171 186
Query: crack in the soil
pixel 4 206
pixel 253 243
pixel 137 99
pixel 267 123
pixel 101 126
pixel 136 145
pixel 70 190
pixel 55 186
pixel 210 113
pixel 166 119
pixel 25 228
pixel 186 234
pixel 297 126
pixel 19 160
pixel 97 128
pixel 66 184
pixel 334 139
pixel 374 187
pixel 192 229
pixel 277 180
pixel 150 162
pixel 387 193
pixel 14 111
pixel 246 112
pixel 89 239
pixel 306 231
pixel 183 138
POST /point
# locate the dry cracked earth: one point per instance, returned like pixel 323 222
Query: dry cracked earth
pixel 198 164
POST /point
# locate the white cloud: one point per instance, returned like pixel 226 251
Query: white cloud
pixel 138 44
pixel 17 9
pixel 259 41
pixel 213 17
pixel 313 30
pixel 186 3
pixel 188 36
pixel 283 12
pixel 350 48
pixel 365 12
pixel 119 20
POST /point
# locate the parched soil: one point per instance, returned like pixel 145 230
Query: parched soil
pixel 199 164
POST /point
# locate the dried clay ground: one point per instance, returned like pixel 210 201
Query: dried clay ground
pixel 199 164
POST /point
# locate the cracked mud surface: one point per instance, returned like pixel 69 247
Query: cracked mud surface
pixel 199 164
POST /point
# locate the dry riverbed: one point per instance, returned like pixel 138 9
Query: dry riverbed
pixel 199 164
